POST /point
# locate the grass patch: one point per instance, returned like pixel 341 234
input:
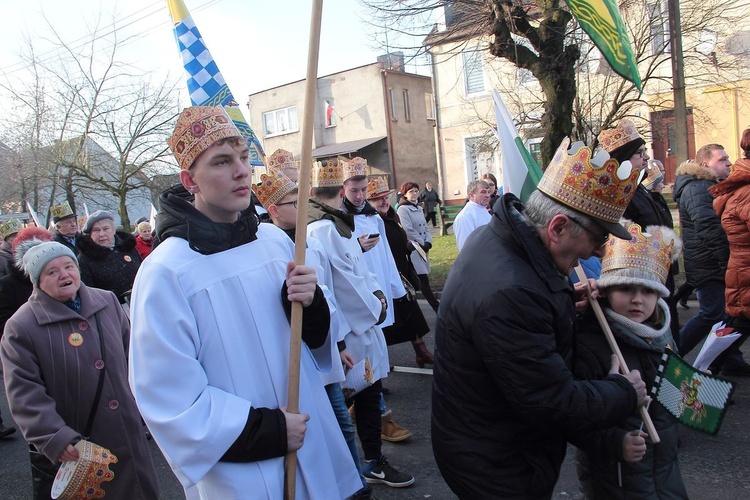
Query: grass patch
pixel 442 256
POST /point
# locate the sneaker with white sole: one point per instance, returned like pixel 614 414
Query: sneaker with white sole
pixel 381 472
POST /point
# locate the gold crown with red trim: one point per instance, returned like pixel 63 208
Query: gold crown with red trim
pixel 623 133
pixel 378 187
pixel 644 260
pixel 653 176
pixel 352 167
pixel 273 187
pixel 84 477
pixel 326 174
pixel 599 186
pixel 10 227
pixel 197 129
pixel 281 159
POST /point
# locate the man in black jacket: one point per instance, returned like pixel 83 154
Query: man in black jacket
pixel 706 251
pixel 504 400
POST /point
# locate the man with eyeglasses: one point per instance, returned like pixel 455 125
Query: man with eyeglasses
pixel 504 401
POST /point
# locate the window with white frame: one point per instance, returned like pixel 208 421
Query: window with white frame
pixel 473 71
pixel 429 106
pixel 407 110
pixel 658 14
pixel 280 121
pixel 392 99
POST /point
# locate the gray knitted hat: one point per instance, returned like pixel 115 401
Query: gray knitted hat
pixel 96 217
pixel 38 256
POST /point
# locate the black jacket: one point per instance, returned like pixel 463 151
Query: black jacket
pixel 109 269
pixel 504 400
pixel 430 199
pixel 264 435
pixel 62 239
pixel 706 248
pixel 657 475
pixel 15 290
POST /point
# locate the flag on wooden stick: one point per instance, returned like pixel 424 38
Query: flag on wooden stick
pixel 521 173
pixel 204 80
pixel 697 399
pixel 602 21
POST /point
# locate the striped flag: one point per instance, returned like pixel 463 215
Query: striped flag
pixel 697 400
pixel 521 173
pixel 204 80
pixel 602 21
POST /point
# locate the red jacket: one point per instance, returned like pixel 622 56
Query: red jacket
pixel 732 204
pixel 142 246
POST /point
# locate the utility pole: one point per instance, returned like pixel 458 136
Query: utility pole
pixel 678 84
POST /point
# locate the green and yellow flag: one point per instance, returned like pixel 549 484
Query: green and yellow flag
pixel 602 21
pixel 696 399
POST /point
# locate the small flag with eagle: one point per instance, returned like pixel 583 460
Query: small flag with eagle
pixel 204 80
pixel 698 400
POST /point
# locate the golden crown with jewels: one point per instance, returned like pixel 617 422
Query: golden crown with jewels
pixel 352 167
pixel 10 227
pixel 326 174
pixel 273 187
pixel 281 159
pixel 599 186
pixel 197 129
pixel 613 138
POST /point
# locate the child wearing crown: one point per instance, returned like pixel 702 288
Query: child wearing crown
pixel 622 462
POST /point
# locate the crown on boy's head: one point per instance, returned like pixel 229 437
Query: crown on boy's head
pixel 599 187
pixel 353 167
pixel 197 129
pixel 273 188
pixel 280 160
pixel 326 174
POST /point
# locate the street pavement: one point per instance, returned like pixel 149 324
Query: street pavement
pixel 712 467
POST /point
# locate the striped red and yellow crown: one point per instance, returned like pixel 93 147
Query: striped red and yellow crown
pixel 352 167
pixel 326 174
pixel 197 129
pixel 10 227
pixel 281 159
pixel 599 186
pixel 613 138
pixel 651 252
pixel 273 187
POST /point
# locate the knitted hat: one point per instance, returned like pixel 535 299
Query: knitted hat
pixel 96 217
pixel 61 211
pixel 39 254
pixel 643 260
pixel 197 129
pixel 378 187
pixel 597 186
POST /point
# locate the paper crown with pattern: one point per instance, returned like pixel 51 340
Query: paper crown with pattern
pixel 273 187
pixel 599 187
pixel 352 167
pixel 653 176
pixel 326 174
pixel 197 129
pixel 378 187
pixel 10 227
pixel 82 479
pixel 281 159
pixel 643 260
pixel 61 211
pixel 613 138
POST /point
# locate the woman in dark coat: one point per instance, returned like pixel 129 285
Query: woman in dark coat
pixel 108 259
pixel 410 324
pixel 54 350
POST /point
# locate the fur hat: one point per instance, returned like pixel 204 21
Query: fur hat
pixel 96 217
pixel 643 260
pixel 37 254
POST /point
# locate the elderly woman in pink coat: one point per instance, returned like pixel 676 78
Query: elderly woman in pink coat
pixel 53 351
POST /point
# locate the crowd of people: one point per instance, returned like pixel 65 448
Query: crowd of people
pixel 182 330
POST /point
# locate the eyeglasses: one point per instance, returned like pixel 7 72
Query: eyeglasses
pixel 640 153
pixel 599 239
pixel 287 203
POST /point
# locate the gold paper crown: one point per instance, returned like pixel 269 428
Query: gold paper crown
pixel 197 129
pixel 326 174
pixel 353 167
pixel 645 259
pixel 378 187
pixel 613 138
pixel 85 476
pixel 281 159
pixel 599 191
pixel 10 226
pixel 61 211
pixel 273 187
pixel 653 176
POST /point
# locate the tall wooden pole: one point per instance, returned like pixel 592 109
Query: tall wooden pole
pixel 678 83
pixel 290 465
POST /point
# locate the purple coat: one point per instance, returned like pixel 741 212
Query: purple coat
pixel 51 384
